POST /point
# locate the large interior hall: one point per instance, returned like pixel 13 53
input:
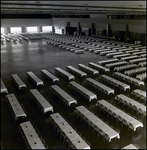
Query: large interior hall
pixel 73 75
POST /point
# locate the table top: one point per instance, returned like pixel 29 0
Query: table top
pixel 129 119
pixel 83 90
pixel 116 53
pixel 39 97
pixel 17 109
pixel 64 72
pixel 98 84
pixel 140 92
pixel 34 77
pixel 97 123
pixel 2 85
pixel 125 49
pixel 129 101
pixel 49 75
pixel 107 61
pixel 88 68
pixel 117 82
pixel 69 132
pixel 142 52
pixel 57 118
pixel 18 80
pixel 128 57
pixel 137 60
pixel 66 97
pixel 77 70
pixel 131 51
pixel 129 78
pixel 115 63
pixel 31 136
pixel 80 144
pixel 99 66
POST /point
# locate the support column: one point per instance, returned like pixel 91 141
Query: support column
pixel 93 29
pixel 7 30
pixel 23 29
pixel 89 32
pixel 68 24
pixel 39 29
pixel 79 28
pixel 53 29
pixel 108 30
pixel 143 39
pixel 127 34
pixel 144 43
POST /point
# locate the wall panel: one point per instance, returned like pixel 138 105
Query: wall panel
pixel 25 22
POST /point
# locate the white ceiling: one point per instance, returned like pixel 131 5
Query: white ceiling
pixel 73 7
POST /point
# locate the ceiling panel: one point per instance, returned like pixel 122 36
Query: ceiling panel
pixel 72 7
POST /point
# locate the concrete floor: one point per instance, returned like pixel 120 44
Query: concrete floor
pixel 34 56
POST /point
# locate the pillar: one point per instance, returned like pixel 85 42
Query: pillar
pixel 39 29
pixel 7 30
pixel 68 24
pixel 108 30
pixel 53 29
pixel 93 29
pixel 79 28
pixel 126 34
pixel 23 29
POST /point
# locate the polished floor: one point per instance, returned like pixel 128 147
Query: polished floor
pixel 21 57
